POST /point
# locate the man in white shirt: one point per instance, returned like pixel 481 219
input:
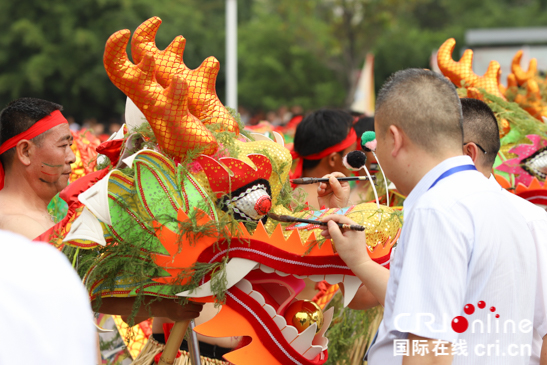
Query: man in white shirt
pixel 482 144
pixel 461 287
pixel 46 316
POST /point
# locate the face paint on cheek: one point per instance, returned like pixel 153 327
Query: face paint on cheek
pixel 50 172
pixel 46 164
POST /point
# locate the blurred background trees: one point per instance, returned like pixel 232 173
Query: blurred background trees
pixel 305 52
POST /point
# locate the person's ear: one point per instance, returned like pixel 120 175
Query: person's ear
pixel 23 151
pixel 471 150
pixel 332 159
pixel 398 137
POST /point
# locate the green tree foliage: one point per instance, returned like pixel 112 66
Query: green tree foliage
pixel 305 52
pixel 275 69
pixel 412 38
pixel 54 49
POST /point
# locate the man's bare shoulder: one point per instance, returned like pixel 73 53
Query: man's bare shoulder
pixel 22 224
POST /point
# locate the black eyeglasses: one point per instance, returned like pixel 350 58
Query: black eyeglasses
pixel 478 145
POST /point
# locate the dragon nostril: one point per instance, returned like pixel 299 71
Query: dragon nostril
pixel 263 205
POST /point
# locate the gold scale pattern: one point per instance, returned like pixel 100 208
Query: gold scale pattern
pixel 461 72
pixel 166 109
pixel 203 100
pixel 381 224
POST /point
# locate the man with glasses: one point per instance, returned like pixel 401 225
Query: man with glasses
pixel 482 144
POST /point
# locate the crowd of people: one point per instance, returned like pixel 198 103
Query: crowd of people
pixel 465 240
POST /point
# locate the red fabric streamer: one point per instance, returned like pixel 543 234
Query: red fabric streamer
pixel 348 141
pixel 111 149
pixel 167 327
pixel 44 124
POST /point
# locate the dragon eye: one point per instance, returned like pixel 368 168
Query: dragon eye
pixel 251 202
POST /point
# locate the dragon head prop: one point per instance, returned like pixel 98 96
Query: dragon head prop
pixel 521 165
pixel 186 213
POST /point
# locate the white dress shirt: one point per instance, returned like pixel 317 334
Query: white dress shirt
pixel 536 218
pixel 45 314
pixel 461 243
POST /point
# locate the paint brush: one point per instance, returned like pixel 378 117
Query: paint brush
pixel 290 219
pixel 313 180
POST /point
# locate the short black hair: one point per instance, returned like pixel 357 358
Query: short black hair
pixel 363 124
pixel 481 126
pixel 20 115
pixel 320 130
pixel 425 105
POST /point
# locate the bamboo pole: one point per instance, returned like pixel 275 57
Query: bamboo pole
pixel 173 343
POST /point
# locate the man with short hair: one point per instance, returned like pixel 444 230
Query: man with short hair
pixel 460 247
pixel 482 144
pixel 35 158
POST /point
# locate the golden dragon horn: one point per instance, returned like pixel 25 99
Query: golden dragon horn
pixel 521 76
pixel 461 72
pixel 203 100
pixel 166 109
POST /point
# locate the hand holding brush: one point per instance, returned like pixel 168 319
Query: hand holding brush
pixel 291 219
pixel 313 180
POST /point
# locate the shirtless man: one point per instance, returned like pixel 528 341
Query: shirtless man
pixel 35 154
pixel 35 157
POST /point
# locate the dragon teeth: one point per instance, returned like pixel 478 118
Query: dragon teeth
pixel 310 342
pixel 245 286
pixel 317 278
pixel 258 297
pixel 351 285
pixel 280 322
pixel 334 279
pixel 290 333
pixel 281 273
pixel 303 341
pixel 319 339
pixel 270 310
pixel 236 270
pixel 266 269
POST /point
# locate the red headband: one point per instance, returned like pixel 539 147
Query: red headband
pixel 348 141
pixel 44 124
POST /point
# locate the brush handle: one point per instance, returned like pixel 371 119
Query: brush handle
pixel 313 180
pixel 288 218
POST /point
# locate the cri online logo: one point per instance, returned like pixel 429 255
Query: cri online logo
pixel 460 323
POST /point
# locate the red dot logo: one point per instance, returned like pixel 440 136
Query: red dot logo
pixel 497 315
pixel 460 324
pixel 469 309
pixel 492 309
pixel 481 304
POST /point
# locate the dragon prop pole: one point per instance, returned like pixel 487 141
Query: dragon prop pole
pixel 173 343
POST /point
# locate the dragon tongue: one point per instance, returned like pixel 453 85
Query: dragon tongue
pixel 236 270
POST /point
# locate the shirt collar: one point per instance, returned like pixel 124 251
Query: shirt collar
pixel 424 184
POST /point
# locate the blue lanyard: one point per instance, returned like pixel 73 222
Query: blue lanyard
pixel 452 171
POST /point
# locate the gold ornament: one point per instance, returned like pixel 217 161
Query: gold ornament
pixel 303 313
